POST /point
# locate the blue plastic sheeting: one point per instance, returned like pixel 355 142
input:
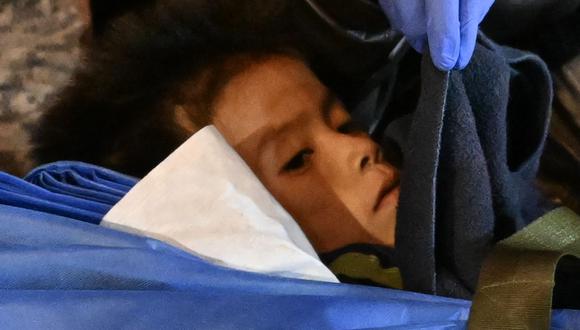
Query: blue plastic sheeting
pixel 58 272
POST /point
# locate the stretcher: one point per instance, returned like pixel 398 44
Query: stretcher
pixel 60 269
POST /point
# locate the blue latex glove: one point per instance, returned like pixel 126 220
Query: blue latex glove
pixel 448 26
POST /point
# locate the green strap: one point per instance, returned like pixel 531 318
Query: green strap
pixel 517 278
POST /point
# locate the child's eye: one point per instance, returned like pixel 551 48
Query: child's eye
pixel 298 161
pixel 350 127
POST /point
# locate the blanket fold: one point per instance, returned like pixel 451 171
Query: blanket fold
pixel 471 151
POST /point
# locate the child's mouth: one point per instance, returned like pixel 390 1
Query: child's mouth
pixel 387 195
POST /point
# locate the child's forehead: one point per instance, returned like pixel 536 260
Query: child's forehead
pixel 268 95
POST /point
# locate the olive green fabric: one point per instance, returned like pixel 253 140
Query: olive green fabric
pixel 364 266
pixel 517 278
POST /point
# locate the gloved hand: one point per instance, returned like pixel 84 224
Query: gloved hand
pixel 448 26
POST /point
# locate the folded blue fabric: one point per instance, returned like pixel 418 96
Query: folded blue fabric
pixel 82 180
pixel 17 192
pixel 71 189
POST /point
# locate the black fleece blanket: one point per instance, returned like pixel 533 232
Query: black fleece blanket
pixel 471 151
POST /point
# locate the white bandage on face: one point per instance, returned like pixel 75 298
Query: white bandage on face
pixel 205 200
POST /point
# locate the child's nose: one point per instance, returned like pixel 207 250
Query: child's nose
pixel 363 153
pixel 364 162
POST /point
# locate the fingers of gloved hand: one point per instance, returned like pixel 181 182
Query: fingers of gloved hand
pixel 471 14
pixel 418 43
pixel 407 16
pixel 468 35
pixel 443 32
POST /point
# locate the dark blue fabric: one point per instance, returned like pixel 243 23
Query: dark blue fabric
pixel 471 150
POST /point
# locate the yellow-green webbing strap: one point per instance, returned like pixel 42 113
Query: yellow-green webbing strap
pixel 517 278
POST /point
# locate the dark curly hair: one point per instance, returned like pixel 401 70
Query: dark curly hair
pixel 145 61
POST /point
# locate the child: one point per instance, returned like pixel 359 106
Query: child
pixel 128 112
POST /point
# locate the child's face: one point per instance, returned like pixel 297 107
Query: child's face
pixel 297 138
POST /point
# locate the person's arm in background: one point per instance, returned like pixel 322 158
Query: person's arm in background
pixel 447 27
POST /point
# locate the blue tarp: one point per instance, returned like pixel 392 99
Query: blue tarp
pixel 60 270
